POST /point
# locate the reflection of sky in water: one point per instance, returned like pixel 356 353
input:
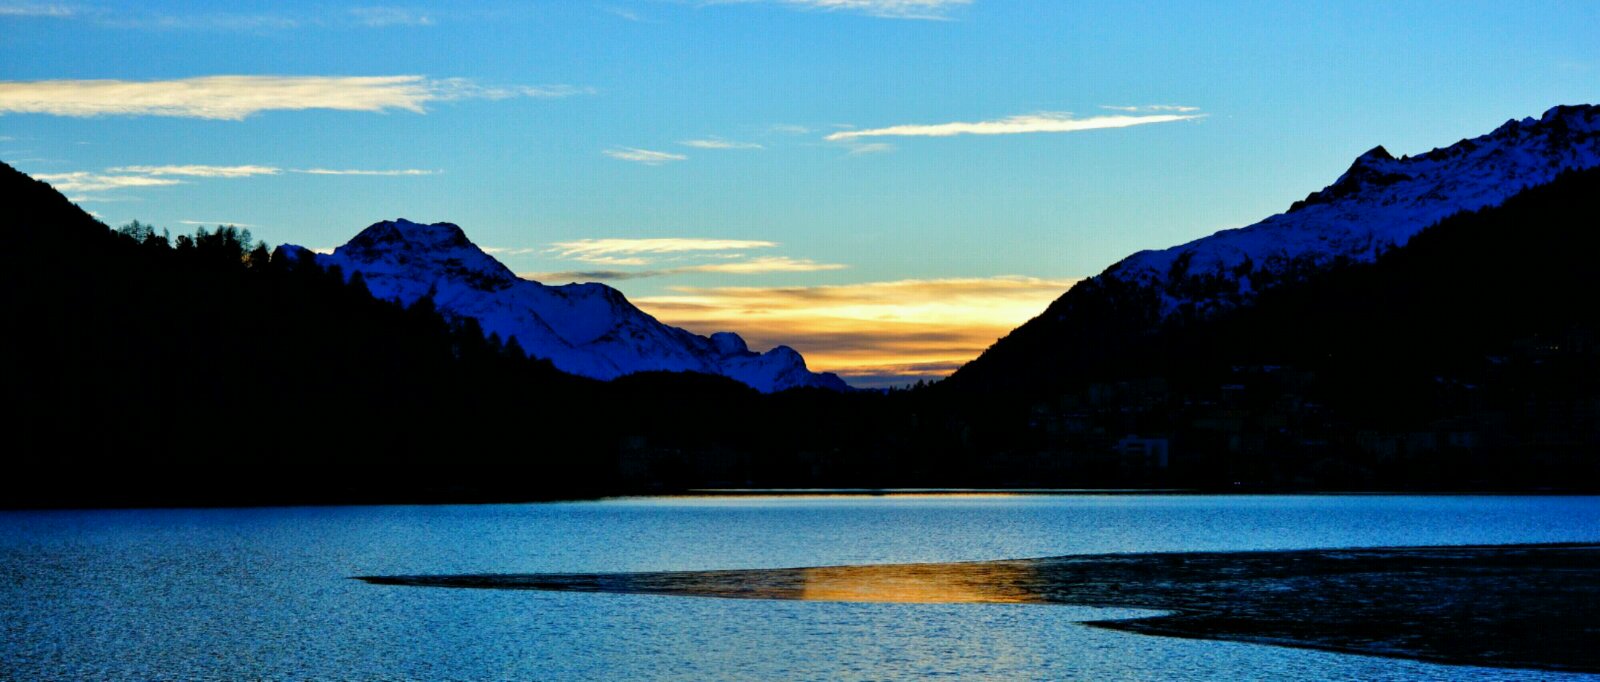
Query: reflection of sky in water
pixel 264 593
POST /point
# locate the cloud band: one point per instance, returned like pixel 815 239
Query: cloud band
pixel 237 97
pixel 1012 125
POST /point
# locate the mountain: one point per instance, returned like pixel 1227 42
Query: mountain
pixel 197 369
pixel 147 368
pixel 1468 358
pixel 586 329
pixel 1380 203
pixel 1462 360
pixel 1467 355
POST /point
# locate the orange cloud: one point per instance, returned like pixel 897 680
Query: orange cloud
pixel 872 333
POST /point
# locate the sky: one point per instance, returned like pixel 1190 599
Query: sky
pixel 888 186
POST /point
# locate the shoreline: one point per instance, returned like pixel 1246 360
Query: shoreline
pixel 1197 492
pixel 1527 606
pixel 596 496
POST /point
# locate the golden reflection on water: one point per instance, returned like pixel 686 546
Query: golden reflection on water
pixel 997 582
pixel 1337 599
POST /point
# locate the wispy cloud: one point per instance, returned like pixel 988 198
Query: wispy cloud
pixel 873 333
pixel 764 265
pixel 384 173
pixel 617 260
pixel 203 21
pixel 28 9
pixel 128 177
pixel 719 143
pixel 859 148
pixel 789 129
pixel 753 266
pixel 136 17
pixel 589 250
pixel 511 250
pixel 625 13
pixel 449 89
pixel 647 157
pixel 564 276
pixel 888 9
pixel 379 17
pixel 645 251
pixel 1012 125
pixel 198 171
pixel 216 222
pixel 728 256
pixel 84 181
pixel 237 97
pixel 1152 107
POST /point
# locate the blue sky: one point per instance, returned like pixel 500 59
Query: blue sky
pixel 786 157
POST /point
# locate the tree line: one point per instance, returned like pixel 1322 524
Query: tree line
pixel 207 368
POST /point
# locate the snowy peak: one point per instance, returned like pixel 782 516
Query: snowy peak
pixel 1375 168
pixel 1379 203
pixel 1372 156
pixel 586 329
pixel 406 249
pixel 1562 118
pixel 404 234
pixel 729 343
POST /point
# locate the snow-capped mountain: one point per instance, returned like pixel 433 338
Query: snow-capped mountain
pixel 1380 202
pixel 586 329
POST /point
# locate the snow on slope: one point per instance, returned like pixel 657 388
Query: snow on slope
pixel 585 329
pixel 1379 203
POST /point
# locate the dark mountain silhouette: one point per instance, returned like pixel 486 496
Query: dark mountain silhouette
pixel 202 369
pixel 146 369
pixel 1468 357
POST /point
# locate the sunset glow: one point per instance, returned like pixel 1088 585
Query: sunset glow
pixel 873 333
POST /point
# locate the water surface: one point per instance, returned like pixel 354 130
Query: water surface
pixel 265 593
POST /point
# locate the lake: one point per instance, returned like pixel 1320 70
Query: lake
pixel 267 593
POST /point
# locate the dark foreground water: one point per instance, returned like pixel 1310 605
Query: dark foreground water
pixel 267 594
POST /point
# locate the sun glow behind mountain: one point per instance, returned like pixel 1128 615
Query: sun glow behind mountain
pixel 887 186
pixel 872 334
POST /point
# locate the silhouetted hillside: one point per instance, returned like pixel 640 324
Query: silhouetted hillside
pixel 202 369
pixel 1474 280
pixel 148 369
pixel 1469 356
pixel 1380 202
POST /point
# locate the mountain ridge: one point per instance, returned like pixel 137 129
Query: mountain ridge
pixel 587 329
pixel 1378 204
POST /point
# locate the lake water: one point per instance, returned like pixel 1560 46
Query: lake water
pixel 266 593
